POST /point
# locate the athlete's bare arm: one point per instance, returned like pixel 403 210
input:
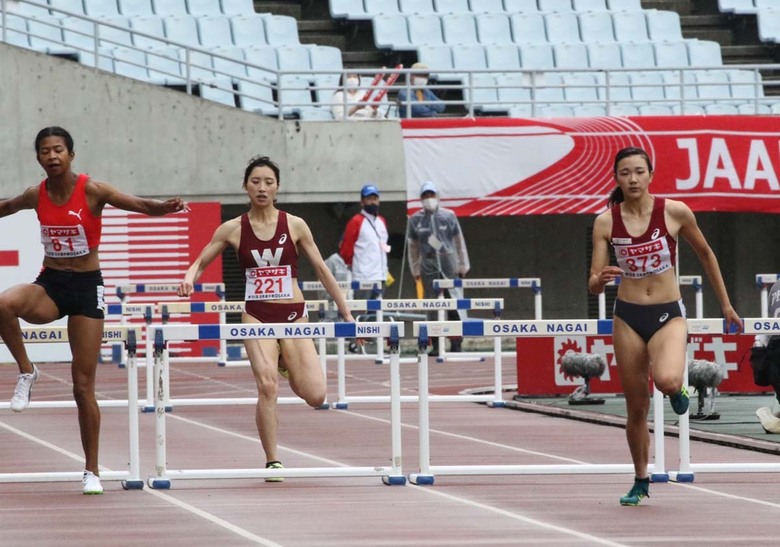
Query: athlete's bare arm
pixel 101 193
pixel 229 233
pixel 26 200
pixel 601 272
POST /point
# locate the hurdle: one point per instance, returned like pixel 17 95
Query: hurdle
pixel 392 475
pixel 492 304
pixel 764 282
pixel 533 283
pixel 128 336
pixel 423 330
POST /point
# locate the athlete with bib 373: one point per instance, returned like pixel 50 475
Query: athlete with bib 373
pixel 69 208
pixel 268 242
pixel 650 332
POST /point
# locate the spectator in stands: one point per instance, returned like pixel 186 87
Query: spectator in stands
pixel 437 250
pixel 364 246
pixel 770 421
pixel 650 331
pixel 424 102
pixel 344 104
pixel 268 242
pixel 69 208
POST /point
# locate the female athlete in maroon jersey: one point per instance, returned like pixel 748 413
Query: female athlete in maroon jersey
pixel 268 242
pixel 649 327
pixel 69 208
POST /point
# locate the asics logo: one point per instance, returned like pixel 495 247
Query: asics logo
pixel 292 316
pixel 663 318
pixel 282 239
pixel 75 214
pixel 656 233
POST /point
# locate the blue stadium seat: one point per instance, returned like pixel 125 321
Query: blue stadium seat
pixel 322 59
pixel 604 55
pixel 134 8
pixel 624 5
pixel 502 58
pixel 248 30
pixel 580 88
pixel 425 29
pixel 720 109
pixel 754 109
pixel 589 5
pixel 737 6
pixel 131 63
pixel 482 95
pixel 486 6
pixel 536 56
pixel 630 26
pixel 570 56
pixel 381 7
pixel 391 32
pixel 493 28
pixel 165 8
pixel 214 31
pixel 468 57
pixel 647 86
pixel 294 59
pixel 100 8
pixel 663 25
pixel 637 55
pixel 671 53
pixel 555 111
pixel 437 58
pixel 238 7
pixel 459 28
pixel 746 85
pixel 623 110
pixel 655 110
pixel 765 4
pixel 46 35
pixel 562 27
pixel 111 36
pixel 713 85
pixel 589 110
pixel 80 34
pixel 549 88
pixel 451 6
pixel 769 25
pixel 257 97
pixel 559 6
pixel 261 63
pixel 514 89
pixel 704 53
pixel 596 27
pixel 294 95
pixel 204 7
pixel 163 65
pixel 421 7
pixel 688 109
pixel 73 6
pixel 199 66
pixel 520 6
pixel 520 111
pixel 27 10
pixel 347 9
pixel 616 84
pixel 228 62
pixel 182 29
pixel 528 28
pixel 281 30
pixel 148 24
pixel 218 90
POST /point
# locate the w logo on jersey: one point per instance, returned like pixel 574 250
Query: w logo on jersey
pixel 268 258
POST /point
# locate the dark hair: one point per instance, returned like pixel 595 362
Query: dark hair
pixel 616 196
pixel 261 161
pixel 53 131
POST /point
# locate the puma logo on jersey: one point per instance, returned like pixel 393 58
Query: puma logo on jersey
pixel 283 239
pixel 663 318
pixel 75 214
pixel 656 233
pixel 268 258
pixel 292 316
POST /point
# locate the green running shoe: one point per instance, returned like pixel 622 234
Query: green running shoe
pixel 680 401
pixel 639 491
pixel 274 465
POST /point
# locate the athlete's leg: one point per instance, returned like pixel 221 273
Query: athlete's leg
pixel 667 351
pixel 31 303
pixel 632 364
pixel 86 335
pixel 306 377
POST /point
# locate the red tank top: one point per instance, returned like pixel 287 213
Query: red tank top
pixel 280 250
pixel 68 230
pixel 653 252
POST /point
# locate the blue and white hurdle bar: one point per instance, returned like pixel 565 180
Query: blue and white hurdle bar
pixel 533 283
pixel 127 335
pixel 164 334
pixel 764 282
pixel 431 304
pixel 684 280
pixel 126 292
pixel 422 330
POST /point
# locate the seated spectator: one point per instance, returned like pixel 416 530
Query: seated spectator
pixel 424 102
pixel 344 105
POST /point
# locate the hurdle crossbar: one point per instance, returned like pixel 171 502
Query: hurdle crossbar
pixel 166 333
pixel 128 336
pixel 422 330
pixel 763 282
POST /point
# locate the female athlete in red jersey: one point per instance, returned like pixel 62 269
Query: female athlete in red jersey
pixel 69 208
pixel 649 327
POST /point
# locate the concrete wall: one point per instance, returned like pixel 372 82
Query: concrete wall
pixel 152 141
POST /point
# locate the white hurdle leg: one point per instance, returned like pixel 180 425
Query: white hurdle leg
pixel 659 473
pixel 133 482
pixel 160 479
pixel 498 398
pixel 396 476
pixel 341 401
pixel 424 476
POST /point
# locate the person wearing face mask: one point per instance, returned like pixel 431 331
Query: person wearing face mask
pixel 437 250
pixel 364 246
pixel 344 104
pixel 423 102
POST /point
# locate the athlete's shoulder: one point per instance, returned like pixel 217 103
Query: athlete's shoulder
pixel 677 209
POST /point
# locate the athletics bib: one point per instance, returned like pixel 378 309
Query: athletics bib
pixel 268 283
pixel 64 241
pixel 643 259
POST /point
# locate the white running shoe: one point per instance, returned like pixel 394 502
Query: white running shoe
pixel 91 484
pixel 21 398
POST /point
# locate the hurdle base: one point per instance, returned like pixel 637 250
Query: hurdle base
pixel 496 404
pixel 133 485
pixel 587 401
pixel 158 483
pixel 394 480
pixel 148 408
pixel 420 479
pixel 659 477
pixel 323 406
pixel 678 476
pixel 701 417
pixel 339 406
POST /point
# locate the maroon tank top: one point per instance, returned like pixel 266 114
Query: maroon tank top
pixel 280 250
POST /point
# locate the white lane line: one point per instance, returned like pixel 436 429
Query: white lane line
pixel 725 495
pixel 173 501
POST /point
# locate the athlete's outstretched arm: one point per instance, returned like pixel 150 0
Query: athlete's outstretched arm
pixel 103 193
pixel 26 200
pixel 220 240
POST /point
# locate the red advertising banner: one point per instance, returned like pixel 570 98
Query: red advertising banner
pixel 539 363
pixel 505 166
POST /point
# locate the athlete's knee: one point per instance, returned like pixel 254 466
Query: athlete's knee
pixel 315 399
pixel 668 384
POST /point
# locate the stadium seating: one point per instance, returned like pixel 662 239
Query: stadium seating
pixel 214 31
pixel 391 32
pixel 424 30
pixel 528 28
pixel 419 7
pixel 237 7
pixel 248 30
pixel 493 28
pixel 165 8
pixel 203 7
pixel 100 8
pixel 769 25
pixel 135 8
pixel 71 6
